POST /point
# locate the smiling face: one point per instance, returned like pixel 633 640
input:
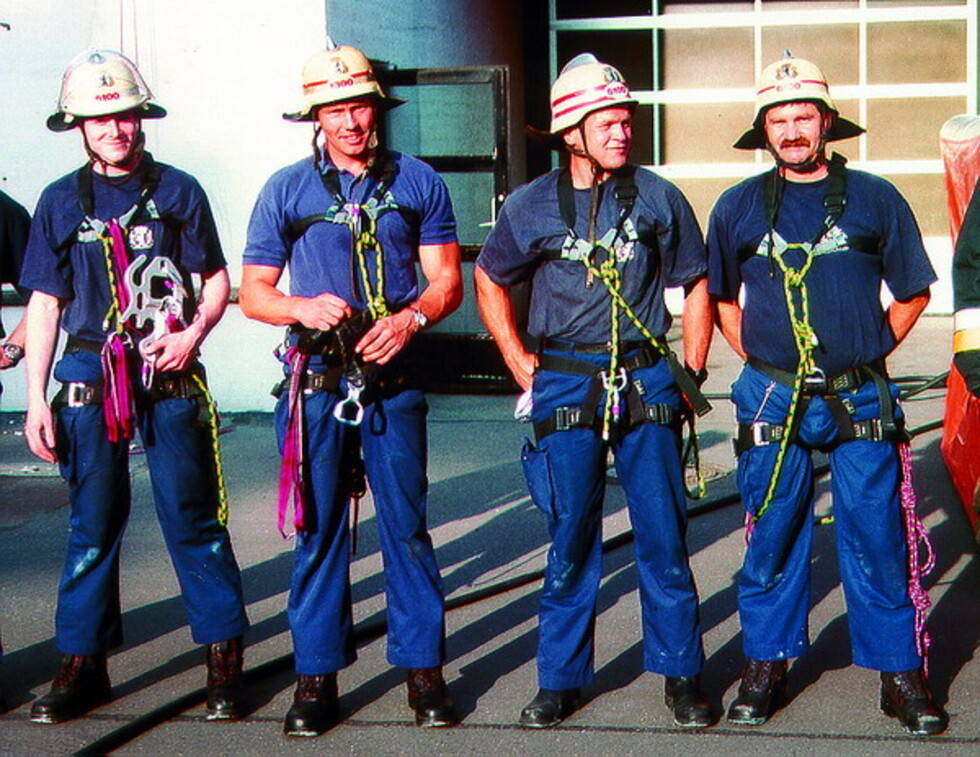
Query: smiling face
pixel 608 136
pixel 348 130
pixel 113 139
pixel 795 132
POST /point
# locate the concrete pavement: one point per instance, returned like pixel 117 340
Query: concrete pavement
pixel 487 532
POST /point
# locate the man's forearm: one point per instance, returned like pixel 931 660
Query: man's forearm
pixel 42 319
pixel 698 325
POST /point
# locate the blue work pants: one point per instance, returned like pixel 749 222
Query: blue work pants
pixel 180 458
pixel 774 584
pixel 566 474
pixel 394 446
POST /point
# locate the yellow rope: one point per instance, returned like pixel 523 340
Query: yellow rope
pixel 111 320
pixel 219 473
pixel 806 340
pixel 365 239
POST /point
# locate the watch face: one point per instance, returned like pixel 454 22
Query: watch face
pixel 420 318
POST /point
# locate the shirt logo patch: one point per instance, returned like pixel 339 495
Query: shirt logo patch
pixel 141 238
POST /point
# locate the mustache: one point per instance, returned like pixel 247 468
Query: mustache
pixel 798 142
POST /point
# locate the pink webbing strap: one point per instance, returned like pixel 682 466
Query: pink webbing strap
pixel 915 533
pixel 117 405
pixel 291 482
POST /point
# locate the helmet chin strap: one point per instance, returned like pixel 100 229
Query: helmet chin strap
pixel 128 164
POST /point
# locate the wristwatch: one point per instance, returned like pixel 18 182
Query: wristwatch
pixel 421 319
pixel 13 352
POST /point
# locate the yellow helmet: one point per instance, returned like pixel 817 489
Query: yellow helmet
pixel 336 74
pixel 99 83
pixel 793 80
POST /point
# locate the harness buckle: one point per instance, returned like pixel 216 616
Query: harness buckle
pixel 566 418
pixel 78 394
pixel 764 434
pixel 870 430
pixel 815 382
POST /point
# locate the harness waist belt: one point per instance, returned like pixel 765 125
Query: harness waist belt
pixel 819 383
pixel 77 344
pixel 644 358
pixel 587 348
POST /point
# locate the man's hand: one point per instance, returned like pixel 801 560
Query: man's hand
pixel 522 365
pixel 39 430
pixel 322 312
pixel 174 352
pixel 387 337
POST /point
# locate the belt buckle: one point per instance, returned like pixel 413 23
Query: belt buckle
pixel 78 393
pixel 815 382
pixel 758 434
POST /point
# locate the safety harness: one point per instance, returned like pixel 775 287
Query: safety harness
pixel 144 292
pixel 600 258
pixel 809 380
pixel 361 218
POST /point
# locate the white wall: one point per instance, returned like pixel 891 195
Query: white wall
pixel 225 70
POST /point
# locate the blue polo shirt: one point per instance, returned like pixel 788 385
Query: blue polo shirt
pixel 875 241
pixel 418 211
pixel 659 246
pixel 59 264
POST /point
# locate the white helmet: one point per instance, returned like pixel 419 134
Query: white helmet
pixel 99 83
pixel 793 80
pixel 336 74
pixel 584 86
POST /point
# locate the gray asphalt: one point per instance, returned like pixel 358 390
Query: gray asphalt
pixel 486 531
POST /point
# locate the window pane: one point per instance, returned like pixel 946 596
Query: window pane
pixel 702 194
pixel 629 51
pixel 908 130
pixel 696 58
pixel 592 9
pixel 807 5
pixel 438 119
pixel 938 49
pixel 927 196
pixel 833 48
pixel 704 133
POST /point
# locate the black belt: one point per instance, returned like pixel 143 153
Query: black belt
pixel 644 356
pixel 819 383
pixel 77 344
pixel 588 348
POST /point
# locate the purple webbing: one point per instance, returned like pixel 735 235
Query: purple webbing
pixel 915 533
pixel 291 483
pixel 117 406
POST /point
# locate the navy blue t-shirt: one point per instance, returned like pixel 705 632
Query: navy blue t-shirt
pixel 659 246
pixel 15 224
pixel 418 212
pixel 875 240
pixel 60 264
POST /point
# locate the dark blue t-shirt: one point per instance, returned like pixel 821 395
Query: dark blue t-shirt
pixel 875 240
pixel 321 260
pixel 659 246
pixel 179 225
pixel 15 224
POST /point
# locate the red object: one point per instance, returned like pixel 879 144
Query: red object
pixel 959 141
pixel 961 444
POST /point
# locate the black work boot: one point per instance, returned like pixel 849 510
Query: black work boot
pixel 684 699
pixel 82 684
pixel 315 708
pixel 429 696
pixel 225 688
pixel 549 707
pixel 906 696
pixel 761 692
